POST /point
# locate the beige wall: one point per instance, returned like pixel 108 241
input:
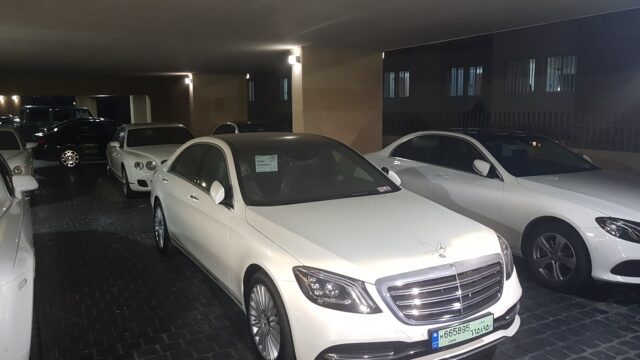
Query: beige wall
pixel 140 109
pixel 8 105
pixel 217 98
pixel 338 93
pixel 169 95
pixel 88 102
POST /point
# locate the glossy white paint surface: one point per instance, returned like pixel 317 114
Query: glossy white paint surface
pixel 17 269
pixel 22 157
pixel 365 238
pixel 509 204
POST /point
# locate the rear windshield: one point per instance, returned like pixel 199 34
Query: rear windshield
pixel 8 141
pixel 158 136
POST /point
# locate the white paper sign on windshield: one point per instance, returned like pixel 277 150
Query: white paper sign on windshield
pixel 266 163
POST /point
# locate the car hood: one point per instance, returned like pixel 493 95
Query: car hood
pixel 610 193
pixel 373 236
pixel 9 154
pixel 158 153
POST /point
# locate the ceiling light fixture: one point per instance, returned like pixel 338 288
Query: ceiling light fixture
pixel 1 99
pixel 248 76
pixel 188 80
pixel 293 59
pixel 15 98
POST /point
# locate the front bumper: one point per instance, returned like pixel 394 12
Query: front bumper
pixel 319 332
pixel 140 180
pixel 611 257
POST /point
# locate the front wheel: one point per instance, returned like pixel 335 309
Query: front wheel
pixel 126 188
pixel 558 257
pixel 267 319
pixel 160 230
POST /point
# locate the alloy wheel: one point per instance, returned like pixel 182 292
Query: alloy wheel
pixel 264 322
pixel 69 158
pixel 554 257
pixel 125 183
pixel 158 226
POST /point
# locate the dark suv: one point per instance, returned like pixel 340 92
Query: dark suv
pixel 39 118
pixel 75 141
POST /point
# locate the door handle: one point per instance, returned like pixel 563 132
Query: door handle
pixel 193 197
pixel 165 180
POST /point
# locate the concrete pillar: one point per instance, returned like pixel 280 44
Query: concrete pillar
pixel 140 106
pixel 88 102
pixel 216 98
pixel 338 93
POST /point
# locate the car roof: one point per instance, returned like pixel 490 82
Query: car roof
pixel 71 121
pixel 54 107
pixel 253 140
pixel 151 125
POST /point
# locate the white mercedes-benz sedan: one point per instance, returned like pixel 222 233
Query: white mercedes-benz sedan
pixel 328 257
pixel 572 221
pixel 17 264
pixel 17 153
pixel 137 150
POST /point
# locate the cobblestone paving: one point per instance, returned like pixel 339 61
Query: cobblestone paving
pixel 102 292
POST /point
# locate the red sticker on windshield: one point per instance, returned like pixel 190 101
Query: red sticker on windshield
pixel 384 189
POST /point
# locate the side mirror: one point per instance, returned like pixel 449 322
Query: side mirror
pixel 391 175
pixel 23 184
pixel 114 144
pixel 217 192
pixel 31 145
pixel 481 167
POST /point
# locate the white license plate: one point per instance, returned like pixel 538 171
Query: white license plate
pixel 461 332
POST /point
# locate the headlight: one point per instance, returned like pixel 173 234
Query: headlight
pixel 508 257
pixel 138 165
pixel 18 170
pixel 622 229
pixel 151 165
pixel 334 291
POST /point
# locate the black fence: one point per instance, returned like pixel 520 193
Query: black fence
pixel 598 131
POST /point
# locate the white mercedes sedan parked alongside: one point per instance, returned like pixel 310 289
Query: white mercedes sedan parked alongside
pixel 572 221
pixel 328 257
pixel 17 153
pixel 137 150
pixel 17 264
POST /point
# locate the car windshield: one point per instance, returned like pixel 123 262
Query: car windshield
pixel 262 127
pixel 8 141
pixel 158 136
pixel 529 155
pixel 293 172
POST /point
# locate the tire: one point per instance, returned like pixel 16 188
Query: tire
pixel 69 158
pixel 161 237
pixel 265 310
pixel 558 257
pixel 126 189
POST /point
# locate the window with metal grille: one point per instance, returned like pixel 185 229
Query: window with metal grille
pixel 389 84
pixel 403 84
pixel 284 89
pixel 561 73
pixel 456 81
pixel 251 87
pixel 521 76
pixel 474 86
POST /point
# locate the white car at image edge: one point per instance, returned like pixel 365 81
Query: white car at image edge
pixel 17 264
pixel 137 150
pixel 570 220
pixel 328 257
pixel 17 153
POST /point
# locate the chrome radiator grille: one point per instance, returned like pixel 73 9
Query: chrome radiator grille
pixel 446 292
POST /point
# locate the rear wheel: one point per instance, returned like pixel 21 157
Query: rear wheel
pixel 558 257
pixel 69 158
pixel 267 319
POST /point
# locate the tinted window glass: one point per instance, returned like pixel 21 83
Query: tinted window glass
pixel 459 154
pixel 214 167
pixel 188 161
pixel 5 174
pixel 426 148
pixel 62 114
pixel 36 116
pixel 530 155
pixel 158 136
pixel 9 141
pixel 225 129
pixel 289 172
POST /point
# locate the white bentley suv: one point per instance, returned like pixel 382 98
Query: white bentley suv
pixel 137 150
pixel 328 257
pixel 17 153
pixel 572 221
pixel 17 264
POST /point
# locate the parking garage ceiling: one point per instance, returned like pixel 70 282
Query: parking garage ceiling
pixel 146 36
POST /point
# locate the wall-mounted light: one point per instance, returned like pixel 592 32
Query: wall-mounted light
pixel 383 55
pixel 188 80
pixel 248 76
pixel 294 59
pixel 1 99
pixel 15 98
